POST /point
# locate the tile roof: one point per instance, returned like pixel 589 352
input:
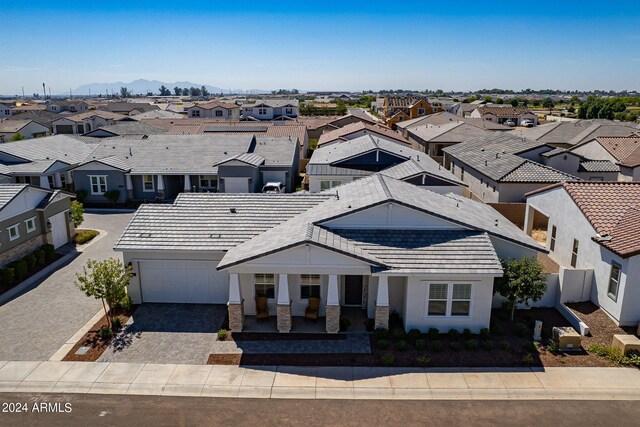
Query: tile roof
pixel 65 148
pixel 9 191
pixel 13 126
pixel 632 160
pixel 530 171
pixel 273 103
pixel 127 107
pixel 505 111
pixel 598 166
pixel 620 147
pixel 599 129
pixel 451 133
pixel 444 117
pixel 130 129
pixel 343 132
pixel 214 104
pixel 78 118
pixel 404 101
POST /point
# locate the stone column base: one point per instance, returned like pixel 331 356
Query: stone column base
pixel 283 316
pixel 382 317
pixel 333 319
pixel 236 316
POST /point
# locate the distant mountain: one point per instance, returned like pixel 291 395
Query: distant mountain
pixel 142 86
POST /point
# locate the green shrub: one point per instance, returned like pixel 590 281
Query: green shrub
pixel 20 268
pixel 116 323
pixel 112 196
pixel 454 345
pixel 125 304
pixel 454 334
pixel 222 334
pixel 471 345
pixel 381 333
pixel 504 345
pixel 40 257
pixel 527 359
pixel 497 330
pixel 485 334
pixel 81 195
pixel 7 276
pixel 49 252
pixel 466 333
pixel 414 334
pixel 402 345
pixel 421 344
pixel 85 236
pixel 382 344
pixel 520 329
pixel 437 346
pixel 615 355
pixel 105 333
pixel 553 347
pixel 30 259
pixel 388 359
pixel 433 333
pixel 423 361
pixel 398 334
pixel 487 345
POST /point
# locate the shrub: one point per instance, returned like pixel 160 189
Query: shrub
pixel 85 236
pixel 454 334
pixel 402 345
pixel 527 359
pixel 381 333
pixel 112 196
pixel 344 324
pixel 504 345
pixel 466 333
pixel 40 257
pixel 116 323
pixel 485 334
pixel 222 334
pixel 398 334
pixel 454 345
pixel 77 213
pixel 388 359
pixel 531 347
pixel 125 304
pixel 487 345
pixel 382 344
pixel 20 268
pixel 7 275
pixel 30 259
pixel 369 324
pixel 433 333
pixel 471 345
pixel 414 335
pixel 81 195
pixel 615 355
pixel 520 329
pixel 105 333
pixel 49 252
pixel 553 347
pixel 421 344
pixel 497 330
pixel 423 361
pixel 437 346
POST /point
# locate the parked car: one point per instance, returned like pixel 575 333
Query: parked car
pixel 527 123
pixel 273 187
pixel 510 123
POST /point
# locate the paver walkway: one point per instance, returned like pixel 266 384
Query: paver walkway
pixel 320 382
pixel 354 343
pixel 38 322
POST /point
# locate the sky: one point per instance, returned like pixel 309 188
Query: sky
pixel 322 44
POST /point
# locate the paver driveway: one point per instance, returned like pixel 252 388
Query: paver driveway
pixel 37 323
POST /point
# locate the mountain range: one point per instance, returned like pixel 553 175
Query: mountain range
pixel 142 86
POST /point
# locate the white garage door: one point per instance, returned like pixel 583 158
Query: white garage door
pixel 195 282
pixel 236 185
pixel 58 229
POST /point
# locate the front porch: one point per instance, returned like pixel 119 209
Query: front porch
pixel 356 317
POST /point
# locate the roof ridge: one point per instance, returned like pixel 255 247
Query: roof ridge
pixel 384 186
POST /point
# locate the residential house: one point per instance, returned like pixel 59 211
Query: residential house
pixel 377 243
pixel 31 217
pixel 505 114
pixel 61 105
pixel 129 129
pixel 5 111
pixel 399 108
pixel 444 118
pixel 85 122
pixel 336 164
pixel 159 114
pixel 317 126
pixel 130 108
pixel 593 232
pixel 270 109
pixel 357 130
pixel 162 166
pixel 42 117
pixel 567 134
pixel 27 128
pixel 499 167
pixel 214 110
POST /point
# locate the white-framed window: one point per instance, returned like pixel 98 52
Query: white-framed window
pixel 52 183
pixel 421 111
pixel 265 285
pixel 31 224
pixel 448 299
pixel 309 286
pixel 574 253
pixel 325 185
pixel 552 240
pixel 262 111
pixel 208 181
pixel 218 113
pixel 195 113
pixel 147 183
pixel 98 184
pixel 614 281
pixel 63 179
pixel 288 111
pixel 14 232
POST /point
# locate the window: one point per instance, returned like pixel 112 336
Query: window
pixel 218 113
pixel 614 281
pixel 421 111
pixel 461 173
pixel 147 183
pixel 31 224
pixel 461 299
pixel 288 111
pixel 574 253
pixel 98 184
pixel 265 285
pixel 63 179
pixel 325 185
pixel 195 113
pixel 596 178
pixel 309 286
pixel 51 181
pixel 208 181
pixel 14 232
pixel 552 242
pixel 262 111
pixel 437 304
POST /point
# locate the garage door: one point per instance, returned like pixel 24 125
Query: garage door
pixel 58 229
pixel 236 185
pixel 195 282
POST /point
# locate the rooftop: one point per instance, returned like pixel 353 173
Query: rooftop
pixel 364 127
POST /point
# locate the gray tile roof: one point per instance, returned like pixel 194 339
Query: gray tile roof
pixel 573 133
pixel 274 103
pixel 444 117
pixel 57 147
pixel 277 151
pixel 250 159
pixel 553 152
pixel 9 191
pixel 598 166
pixel 36 167
pixel 131 129
pixel 535 172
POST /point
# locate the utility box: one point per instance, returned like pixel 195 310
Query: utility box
pixel 626 343
pixel 567 338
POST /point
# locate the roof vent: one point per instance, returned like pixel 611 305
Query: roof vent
pixel 497 155
pixel 496 222
pixel 233 210
pixel 485 162
pixel 337 195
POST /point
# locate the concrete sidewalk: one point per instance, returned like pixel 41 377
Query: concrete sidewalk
pixel 321 382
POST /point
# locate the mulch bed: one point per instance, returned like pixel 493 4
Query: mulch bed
pixel 92 339
pixel 269 336
pixel 5 287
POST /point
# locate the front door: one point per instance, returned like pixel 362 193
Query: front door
pixel 353 290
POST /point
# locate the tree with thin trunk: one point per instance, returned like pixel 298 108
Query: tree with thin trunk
pixel 105 280
pixel 523 282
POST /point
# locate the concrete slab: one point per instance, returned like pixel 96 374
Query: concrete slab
pixel 190 375
pixel 84 372
pixel 72 387
pixel 372 393
pixel 49 371
pixel 483 380
pixel 335 377
pixel 412 394
pixel 520 380
pixel 408 378
pixel 182 390
pixel 451 394
pixel 254 392
pixel 334 392
pixel 295 376
pixel 17 371
pixel 154 374
pixel 220 391
pixel 146 389
pixel 109 388
pixel 9 386
pixel 293 393
pixel 557 378
pixel 2 363
pixel 595 378
pixel 224 375
pixel 365 377
pixel 123 373
pixel 446 380
pixel 262 376
pixel 35 386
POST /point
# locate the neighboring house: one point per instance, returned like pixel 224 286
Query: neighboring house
pixel 594 232
pixel 85 122
pixel 60 105
pixel 444 118
pixel 568 134
pixel 399 108
pixel 31 217
pixel 214 110
pixel 432 139
pixel 376 243
pixel 499 167
pixel 127 129
pixel 503 115
pixel 270 109
pixel 162 166
pixel 317 126
pixel 159 114
pixel 42 117
pixel 603 158
pixel 130 108
pixel 27 128
pixel 5 111
pixel 337 164
pixel 358 129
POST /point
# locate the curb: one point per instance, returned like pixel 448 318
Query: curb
pixel 101 234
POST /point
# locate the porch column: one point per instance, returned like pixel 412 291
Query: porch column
pixel 129 187
pixel 283 309
pixel 44 181
pixel 57 181
pixel 235 304
pixel 160 186
pixel 187 183
pixel 69 177
pixel 333 305
pixel 382 303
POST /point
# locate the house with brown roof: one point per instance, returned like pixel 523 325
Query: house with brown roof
pixel 593 233
pixel 358 129
pixel 399 108
pixel 27 128
pixel 78 124
pixel 503 115
pixel 214 110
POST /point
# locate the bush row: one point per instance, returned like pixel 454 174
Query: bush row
pixel 18 270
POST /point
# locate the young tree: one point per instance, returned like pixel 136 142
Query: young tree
pixel 523 282
pixel 164 91
pixel 177 91
pixel 186 91
pixel 204 91
pixel 105 280
pixel 77 213
pixel 514 102
pixel 194 91
pixel 124 92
